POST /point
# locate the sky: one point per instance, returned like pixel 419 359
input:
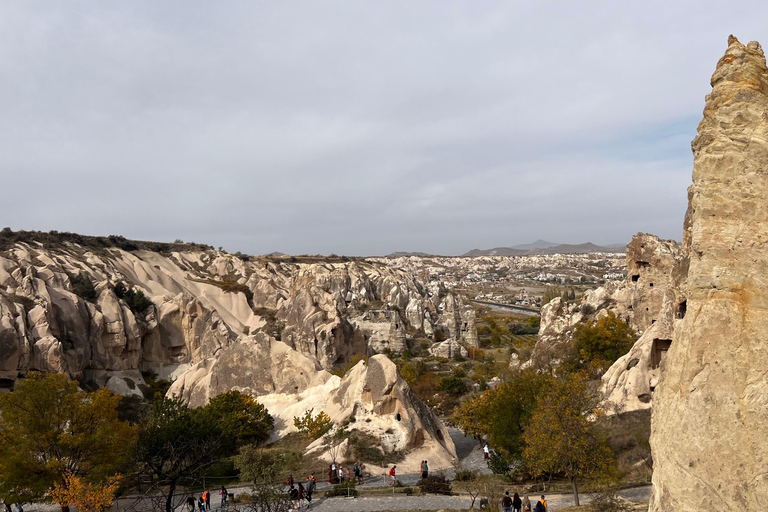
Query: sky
pixel 356 127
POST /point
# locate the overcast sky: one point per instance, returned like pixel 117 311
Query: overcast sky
pixel 356 127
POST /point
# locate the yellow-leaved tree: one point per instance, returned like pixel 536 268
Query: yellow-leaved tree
pixel 86 496
pixel 562 437
pixel 313 427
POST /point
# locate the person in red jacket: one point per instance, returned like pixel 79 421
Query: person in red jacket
pixel 392 475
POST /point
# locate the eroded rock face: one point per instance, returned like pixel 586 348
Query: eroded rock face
pixel 202 304
pixel 710 412
pixel 372 398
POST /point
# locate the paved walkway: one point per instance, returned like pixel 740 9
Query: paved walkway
pixel 434 502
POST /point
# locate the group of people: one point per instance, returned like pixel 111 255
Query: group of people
pixel 299 492
pixel 510 503
pixel 424 469
pixel 204 501
pixel 7 506
pixel 337 473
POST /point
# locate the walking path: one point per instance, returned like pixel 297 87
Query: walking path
pixel 434 502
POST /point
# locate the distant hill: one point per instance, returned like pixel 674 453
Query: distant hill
pixel 403 254
pixel 586 248
pixel 538 244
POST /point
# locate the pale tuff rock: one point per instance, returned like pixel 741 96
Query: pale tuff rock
pixel 649 300
pixel 329 311
pixel 710 412
pixel 373 398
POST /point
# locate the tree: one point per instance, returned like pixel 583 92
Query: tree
pixel 87 497
pixel 313 427
pixel 502 413
pixel 178 442
pixel 48 429
pixel 562 437
pixel 599 344
pixel 263 466
pixel 550 292
pixel 333 441
pixel 242 419
pixel 452 385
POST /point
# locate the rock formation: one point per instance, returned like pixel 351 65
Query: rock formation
pixel 202 303
pixel 648 300
pixel 710 412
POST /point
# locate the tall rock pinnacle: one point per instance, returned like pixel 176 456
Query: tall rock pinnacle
pixel 710 412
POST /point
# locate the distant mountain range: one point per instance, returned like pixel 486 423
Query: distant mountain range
pixel 404 254
pixel 544 247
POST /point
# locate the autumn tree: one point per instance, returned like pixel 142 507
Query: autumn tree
pixel 597 345
pixel 502 413
pixel 313 427
pixel 49 429
pixel 562 436
pixel 241 418
pixel 86 496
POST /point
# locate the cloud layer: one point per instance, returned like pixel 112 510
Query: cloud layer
pixel 356 127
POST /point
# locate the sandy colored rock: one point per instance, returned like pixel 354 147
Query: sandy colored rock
pixel 710 411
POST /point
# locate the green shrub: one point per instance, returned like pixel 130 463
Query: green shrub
pixel 136 300
pixel 82 286
pixel 452 386
pixel 465 475
pixel 435 484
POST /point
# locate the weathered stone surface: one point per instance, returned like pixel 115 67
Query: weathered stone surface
pixel 710 417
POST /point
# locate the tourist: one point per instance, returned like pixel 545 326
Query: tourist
pixel 290 480
pixel 360 476
pixel 330 473
pixel 293 493
pixel 201 503
pixel 356 471
pixel 526 504
pixel 392 475
pixel 506 502
pixel 311 485
pixel 207 499
pixel 486 452
pixel 224 494
pixel 341 474
pixel 541 505
pixel 425 470
pixel 517 504
pixel 191 503
pixel 302 495
pixel 346 473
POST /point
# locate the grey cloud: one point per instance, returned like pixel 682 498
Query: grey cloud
pixel 355 127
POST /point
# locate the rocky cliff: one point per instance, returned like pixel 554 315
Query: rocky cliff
pixel 710 412
pixel 200 304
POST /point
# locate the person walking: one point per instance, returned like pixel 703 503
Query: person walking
pixel 191 502
pixel 526 504
pixel 362 468
pixel 289 482
pixel 341 474
pixel 517 503
pixel 426 470
pixel 302 495
pixel 541 505
pixel 223 494
pixel 506 502
pixel 486 452
pixel 330 473
pixel 207 499
pixel 311 486
pixel 201 503
pixel 393 475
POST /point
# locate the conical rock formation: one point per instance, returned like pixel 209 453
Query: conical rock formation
pixel 710 412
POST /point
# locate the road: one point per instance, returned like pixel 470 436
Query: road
pixel 509 306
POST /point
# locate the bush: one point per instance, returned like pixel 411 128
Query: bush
pixel 136 300
pixel 499 463
pixel 347 488
pixel 452 385
pixel 82 286
pixel 609 501
pixel 465 475
pixel 435 484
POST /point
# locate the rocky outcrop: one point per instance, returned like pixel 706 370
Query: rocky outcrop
pixel 710 411
pixel 647 300
pixel 201 304
pixel 372 398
